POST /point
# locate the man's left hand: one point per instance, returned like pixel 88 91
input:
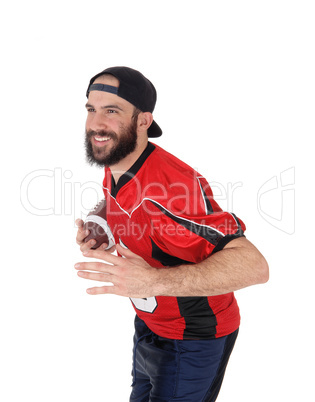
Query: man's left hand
pixel 129 275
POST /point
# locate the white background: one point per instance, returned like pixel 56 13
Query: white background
pixel 235 82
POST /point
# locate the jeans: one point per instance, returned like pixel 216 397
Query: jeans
pixel 178 370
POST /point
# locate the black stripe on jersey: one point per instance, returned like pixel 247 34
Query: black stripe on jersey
pixel 198 315
pixel 207 232
pixel 166 259
pixel 238 223
pixel 209 209
pixel 200 320
pixel 227 238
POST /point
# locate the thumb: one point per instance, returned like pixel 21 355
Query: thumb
pixel 125 252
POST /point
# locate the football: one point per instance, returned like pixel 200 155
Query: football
pixel 97 224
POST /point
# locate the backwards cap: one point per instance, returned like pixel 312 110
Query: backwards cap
pixel 134 87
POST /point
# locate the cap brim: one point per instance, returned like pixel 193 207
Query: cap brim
pixel 154 130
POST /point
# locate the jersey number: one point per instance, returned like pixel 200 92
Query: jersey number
pixel 148 305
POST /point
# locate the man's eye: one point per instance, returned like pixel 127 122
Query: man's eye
pixel 90 109
pixel 111 111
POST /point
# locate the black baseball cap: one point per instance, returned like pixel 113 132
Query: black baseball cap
pixel 134 87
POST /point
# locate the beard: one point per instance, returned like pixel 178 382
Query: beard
pixel 123 145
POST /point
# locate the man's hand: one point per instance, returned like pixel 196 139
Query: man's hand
pixel 129 275
pixel 81 235
pixel 235 267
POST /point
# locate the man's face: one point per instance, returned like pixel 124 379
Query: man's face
pixel 111 131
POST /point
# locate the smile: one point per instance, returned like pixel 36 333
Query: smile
pixel 98 140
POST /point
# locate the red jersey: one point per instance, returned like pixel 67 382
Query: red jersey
pixel 164 211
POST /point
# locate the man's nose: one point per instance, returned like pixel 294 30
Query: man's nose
pixel 97 122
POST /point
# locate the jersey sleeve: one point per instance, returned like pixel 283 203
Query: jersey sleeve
pixel 195 232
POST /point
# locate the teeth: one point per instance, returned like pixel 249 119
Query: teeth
pixel 102 139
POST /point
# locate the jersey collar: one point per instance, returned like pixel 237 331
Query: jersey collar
pixel 127 176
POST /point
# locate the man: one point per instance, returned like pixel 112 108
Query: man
pixel 180 257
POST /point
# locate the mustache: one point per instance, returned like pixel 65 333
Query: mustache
pixel 102 133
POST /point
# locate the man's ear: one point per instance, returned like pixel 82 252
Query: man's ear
pixel 145 120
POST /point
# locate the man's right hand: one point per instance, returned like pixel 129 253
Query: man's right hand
pixel 81 235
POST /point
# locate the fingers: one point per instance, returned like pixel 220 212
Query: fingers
pixel 85 246
pixel 130 256
pixel 100 277
pixel 125 252
pixel 104 256
pixel 100 272
pixel 101 290
pixel 79 223
pixel 103 247
pixel 95 266
pixel 109 250
pixel 97 276
pixel 81 233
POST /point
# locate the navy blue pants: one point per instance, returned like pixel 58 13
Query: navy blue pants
pixel 178 370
